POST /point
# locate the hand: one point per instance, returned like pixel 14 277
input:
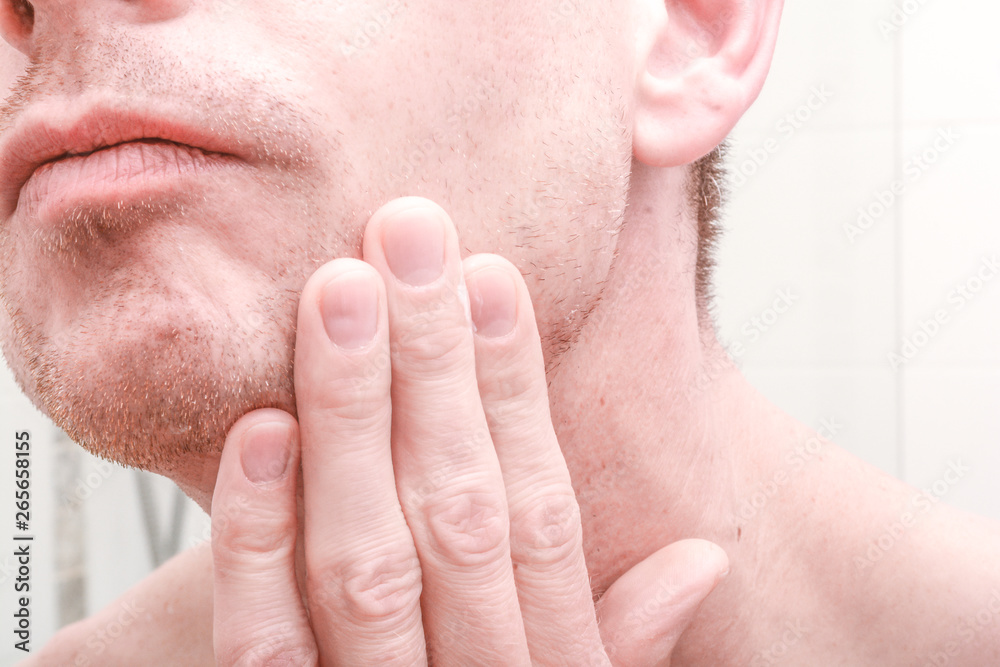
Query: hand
pixel 440 524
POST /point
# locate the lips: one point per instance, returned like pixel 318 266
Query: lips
pixel 125 171
pixel 103 155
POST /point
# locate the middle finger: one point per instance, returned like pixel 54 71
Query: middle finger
pixel 447 475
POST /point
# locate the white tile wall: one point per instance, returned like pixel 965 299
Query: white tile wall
pixel 952 417
pixel 951 258
pixel 951 62
pixel 896 86
pixel 854 302
pixel 785 230
pixel 837 44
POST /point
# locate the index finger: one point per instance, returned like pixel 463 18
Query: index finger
pixel 363 574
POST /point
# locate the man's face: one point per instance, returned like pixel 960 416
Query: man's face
pixel 146 313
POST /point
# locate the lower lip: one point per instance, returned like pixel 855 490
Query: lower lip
pixel 126 172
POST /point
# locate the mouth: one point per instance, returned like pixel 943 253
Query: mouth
pixel 124 172
pixel 102 156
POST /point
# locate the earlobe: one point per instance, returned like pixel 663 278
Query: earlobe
pixel 17 19
pixel 699 66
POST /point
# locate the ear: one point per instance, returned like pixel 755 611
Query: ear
pixel 17 18
pixel 699 66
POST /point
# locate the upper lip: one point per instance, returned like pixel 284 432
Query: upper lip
pixel 42 137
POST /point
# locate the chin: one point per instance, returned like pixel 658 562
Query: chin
pixel 150 396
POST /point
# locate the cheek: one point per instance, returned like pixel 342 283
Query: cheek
pixel 532 163
pixel 490 109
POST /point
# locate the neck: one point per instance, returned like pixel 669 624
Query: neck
pixel 665 440
pixel 647 406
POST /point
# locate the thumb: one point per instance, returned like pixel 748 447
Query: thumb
pixel 644 612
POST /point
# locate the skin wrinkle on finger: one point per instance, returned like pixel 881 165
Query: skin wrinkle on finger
pixel 436 334
pixel 379 586
pixel 273 643
pixel 258 531
pixel 547 530
pixel 467 528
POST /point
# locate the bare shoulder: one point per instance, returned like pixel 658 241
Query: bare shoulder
pixel 166 619
pixel 972 585
pixel 952 600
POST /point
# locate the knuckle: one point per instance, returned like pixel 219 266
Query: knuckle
pixel 431 342
pixel 458 453
pixel 253 533
pixel 514 379
pixel 469 529
pixel 513 390
pixel 367 410
pixel 351 396
pixel 548 531
pixel 503 409
pixel 371 589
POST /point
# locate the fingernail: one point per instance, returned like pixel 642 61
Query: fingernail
pixel 349 306
pixel 493 297
pixel 413 242
pixel 266 450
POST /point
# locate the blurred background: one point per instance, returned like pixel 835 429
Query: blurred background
pixel 857 284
